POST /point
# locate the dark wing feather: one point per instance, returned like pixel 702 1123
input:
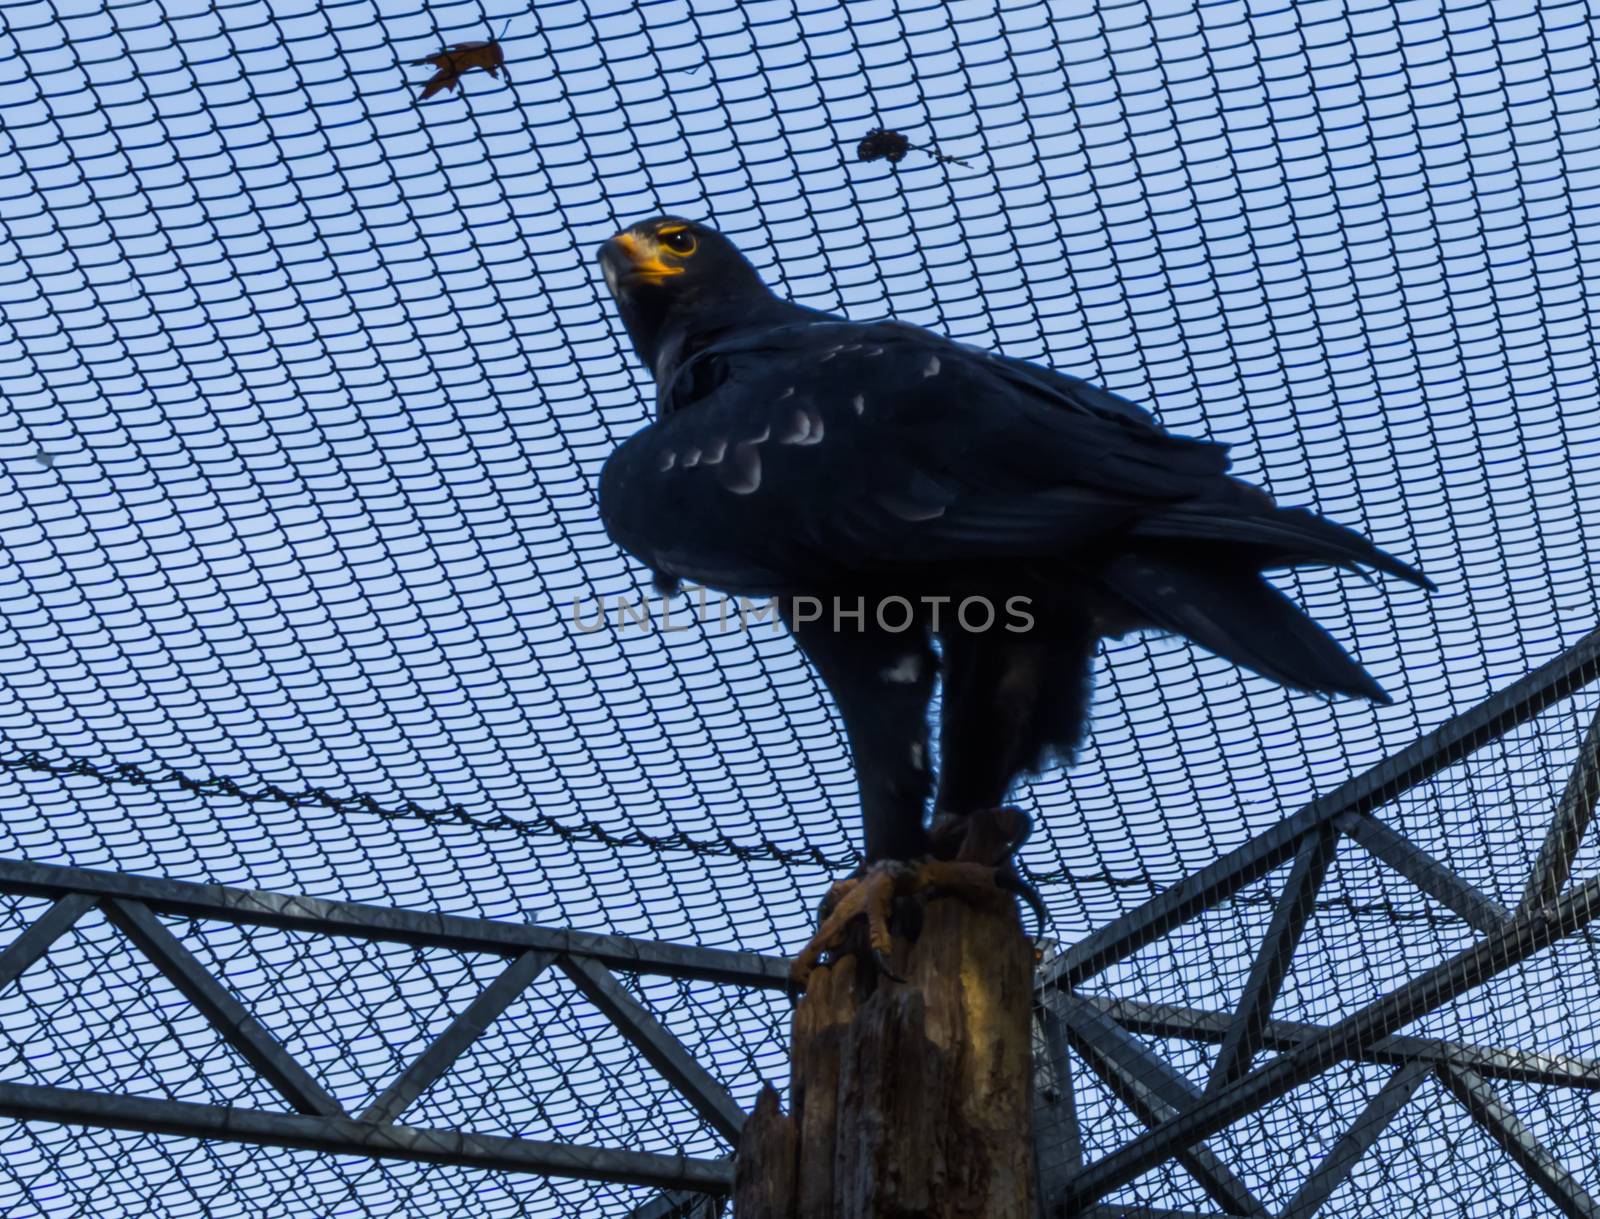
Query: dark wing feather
pixel 1072 392
pixel 796 456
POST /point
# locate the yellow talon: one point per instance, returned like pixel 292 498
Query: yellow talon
pixel 871 895
pixel 980 845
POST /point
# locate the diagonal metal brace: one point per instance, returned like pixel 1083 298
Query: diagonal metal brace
pixel 39 935
pixel 1567 827
pixel 466 1028
pixel 1355 1142
pixel 1154 1090
pixel 238 1027
pixel 1504 1127
pixel 1271 965
pixel 1423 870
pixel 661 1049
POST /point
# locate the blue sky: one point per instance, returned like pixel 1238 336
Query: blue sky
pixel 304 389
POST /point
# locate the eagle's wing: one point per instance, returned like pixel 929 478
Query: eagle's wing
pixel 1228 511
pixel 789 458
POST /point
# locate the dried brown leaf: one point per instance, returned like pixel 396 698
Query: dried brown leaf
pixel 462 57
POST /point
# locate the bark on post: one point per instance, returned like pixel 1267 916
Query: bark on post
pixel 910 1100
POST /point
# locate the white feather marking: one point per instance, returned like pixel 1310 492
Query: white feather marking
pixel 931 368
pixel 691 458
pixel 742 474
pixel 904 671
pixel 714 452
pixel 668 460
pixel 859 403
pixel 918 761
pixel 797 431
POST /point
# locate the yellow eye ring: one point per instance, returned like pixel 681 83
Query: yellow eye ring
pixel 679 241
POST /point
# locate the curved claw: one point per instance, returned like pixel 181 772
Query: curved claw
pixel 1007 877
pixel 884 968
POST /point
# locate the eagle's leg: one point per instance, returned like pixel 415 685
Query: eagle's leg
pixel 987 840
pixel 976 854
pixel 882 682
pixel 1011 704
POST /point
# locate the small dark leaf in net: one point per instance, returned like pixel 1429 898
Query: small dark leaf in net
pixel 880 143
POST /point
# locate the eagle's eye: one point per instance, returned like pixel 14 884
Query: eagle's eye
pixel 679 241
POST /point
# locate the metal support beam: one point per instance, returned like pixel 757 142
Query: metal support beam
pixel 227 1015
pixel 344 1136
pixel 1517 1066
pixel 660 1048
pixel 251 907
pixel 1289 919
pixel 1510 945
pixel 1423 870
pixel 466 1028
pixel 1453 740
pixel 1153 1090
pixel 1503 1126
pixel 131 902
pixel 1554 862
pixel 1355 1142
pixel 37 936
pixel 1140 1212
pixel 1057 1141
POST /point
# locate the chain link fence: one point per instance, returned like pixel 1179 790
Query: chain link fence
pixel 304 389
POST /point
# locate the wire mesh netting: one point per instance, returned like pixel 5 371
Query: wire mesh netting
pixel 304 389
pixel 1368 933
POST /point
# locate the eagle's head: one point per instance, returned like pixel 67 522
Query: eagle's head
pixel 678 285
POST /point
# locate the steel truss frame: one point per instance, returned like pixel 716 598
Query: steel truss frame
pixel 318 1122
pixel 1179 1116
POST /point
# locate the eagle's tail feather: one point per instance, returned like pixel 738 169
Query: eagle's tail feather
pixel 1281 537
pixel 1232 611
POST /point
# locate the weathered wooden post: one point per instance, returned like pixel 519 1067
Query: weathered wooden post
pixel 910 1099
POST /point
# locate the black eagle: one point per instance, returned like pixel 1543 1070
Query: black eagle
pixel 860 465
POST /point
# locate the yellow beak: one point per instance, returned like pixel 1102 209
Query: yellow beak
pixel 644 255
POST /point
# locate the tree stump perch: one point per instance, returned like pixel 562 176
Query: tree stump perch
pixel 910 1099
